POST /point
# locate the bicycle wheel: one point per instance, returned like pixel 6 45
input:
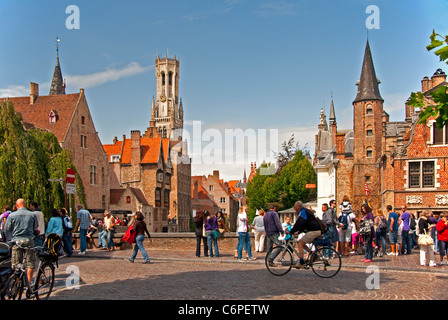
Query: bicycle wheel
pixel 13 288
pixel 44 281
pixel 281 262
pixel 325 262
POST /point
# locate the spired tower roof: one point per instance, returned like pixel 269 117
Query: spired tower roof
pixel 57 83
pixel 368 84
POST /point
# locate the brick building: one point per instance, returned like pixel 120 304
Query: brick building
pixel 381 161
pixel 68 117
pixel 157 162
pixel 219 192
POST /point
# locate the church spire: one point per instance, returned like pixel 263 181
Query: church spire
pixel 57 84
pixel 332 113
pixel 368 84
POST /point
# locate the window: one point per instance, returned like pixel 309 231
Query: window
pixel 103 177
pixel 158 196
pixel 52 117
pixel 93 175
pixel 223 200
pixel 159 176
pixel 421 174
pixel 211 188
pixel 167 179
pixel 128 199
pixel 369 153
pixel 115 158
pixel 170 78
pixel 166 196
pixel 83 120
pixel 163 78
pixel 83 141
pixel 369 109
pixel 439 135
pixel 369 132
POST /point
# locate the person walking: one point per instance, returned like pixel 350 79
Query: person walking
pixel 273 229
pixel 259 233
pixel 426 250
pixel 199 232
pixel 380 232
pixel 55 224
pixel 333 229
pixel 67 233
pixel 140 228
pixel 393 230
pixel 442 233
pixel 23 226
pixel 83 219
pixel 243 235
pixel 211 224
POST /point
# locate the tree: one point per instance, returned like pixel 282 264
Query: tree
pixel 286 185
pixel 28 158
pixel 438 107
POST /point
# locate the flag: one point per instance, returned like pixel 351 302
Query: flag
pixel 366 189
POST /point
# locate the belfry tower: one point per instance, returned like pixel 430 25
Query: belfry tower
pixel 167 112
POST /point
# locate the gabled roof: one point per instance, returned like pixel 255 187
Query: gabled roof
pixel 37 114
pixel 368 84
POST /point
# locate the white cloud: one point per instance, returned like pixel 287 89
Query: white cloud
pixel 277 8
pixel 111 74
pixel 14 91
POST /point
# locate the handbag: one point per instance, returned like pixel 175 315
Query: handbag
pixel 217 233
pixel 425 239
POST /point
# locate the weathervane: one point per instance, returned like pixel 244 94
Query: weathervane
pixel 57 45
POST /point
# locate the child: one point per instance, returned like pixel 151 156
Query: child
pixel 355 238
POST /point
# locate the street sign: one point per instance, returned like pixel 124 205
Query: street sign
pixel 70 176
pixel 311 186
pixel 70 188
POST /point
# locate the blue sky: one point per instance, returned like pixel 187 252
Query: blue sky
pixel 244 63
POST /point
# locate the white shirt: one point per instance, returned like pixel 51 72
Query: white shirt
pixel 242 219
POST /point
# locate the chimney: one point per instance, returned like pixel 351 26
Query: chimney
pixel 438 77
pixel 34 92
pixel 426 84
pixel 136 153
pixel 115 140
pixel 196 190
pixel 216 174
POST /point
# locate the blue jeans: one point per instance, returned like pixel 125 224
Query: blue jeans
pixel 82 239
pixel 381 235
pixel 139 246
pixel 212 241
pixel 244 241
pixel 67 240
pixel 102 239
pixel 406 241
pixel 369 249
pixel 110 239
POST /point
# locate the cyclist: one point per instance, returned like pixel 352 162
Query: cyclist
pixel 23 224
pixel 307 223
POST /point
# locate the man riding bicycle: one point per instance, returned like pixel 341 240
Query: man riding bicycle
pixel 307 223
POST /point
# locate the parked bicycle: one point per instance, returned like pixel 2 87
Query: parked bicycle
pixel 323 259
pixel 42 287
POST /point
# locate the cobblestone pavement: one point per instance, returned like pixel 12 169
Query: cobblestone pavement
pixel 178 275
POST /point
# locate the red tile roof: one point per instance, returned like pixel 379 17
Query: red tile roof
pixel 37 114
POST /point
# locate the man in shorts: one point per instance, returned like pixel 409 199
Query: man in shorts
pixel 393 231
pixel 306 222
pixel 22 224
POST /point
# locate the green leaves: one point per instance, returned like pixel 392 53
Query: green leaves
pixel 442 53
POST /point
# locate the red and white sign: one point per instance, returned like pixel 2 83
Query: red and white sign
pixel 70 176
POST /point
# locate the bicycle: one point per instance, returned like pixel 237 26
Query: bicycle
pixel 324 260
pixel 18 281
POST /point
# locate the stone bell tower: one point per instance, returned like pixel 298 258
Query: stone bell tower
pixel 167 110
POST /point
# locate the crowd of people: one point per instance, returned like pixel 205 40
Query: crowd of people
pixel 369 232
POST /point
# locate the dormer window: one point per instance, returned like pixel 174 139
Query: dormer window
pixel 52 118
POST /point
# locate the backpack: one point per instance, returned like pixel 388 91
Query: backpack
pixel 383 224
pixel 344 220
pixel 52 247
pixel 413 224
pixel 67 221
pixel 321 224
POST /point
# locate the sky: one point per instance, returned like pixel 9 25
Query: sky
pixel 264 67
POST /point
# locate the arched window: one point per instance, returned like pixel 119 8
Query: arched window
pixel 369 109
pixel 369 152
pixel 163 78
pixel 170 78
